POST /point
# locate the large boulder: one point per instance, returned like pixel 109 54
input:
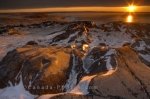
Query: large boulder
pixel 131 79
pixel 42 69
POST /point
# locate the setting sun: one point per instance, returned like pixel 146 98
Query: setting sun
pixel 131 8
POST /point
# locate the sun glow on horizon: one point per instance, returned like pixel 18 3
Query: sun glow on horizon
pixel 131 8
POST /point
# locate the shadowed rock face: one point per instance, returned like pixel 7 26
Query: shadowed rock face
pixel 9 67
pixel 99 59
pixel 117 52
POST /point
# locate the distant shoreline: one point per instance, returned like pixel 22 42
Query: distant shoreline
pixel 73 12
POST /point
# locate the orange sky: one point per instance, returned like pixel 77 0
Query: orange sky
pixel 71 9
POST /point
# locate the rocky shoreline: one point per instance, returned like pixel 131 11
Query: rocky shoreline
pixel 118 53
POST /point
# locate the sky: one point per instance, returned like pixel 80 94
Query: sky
pixel 20 5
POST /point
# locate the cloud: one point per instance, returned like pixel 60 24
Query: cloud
pixel 10 4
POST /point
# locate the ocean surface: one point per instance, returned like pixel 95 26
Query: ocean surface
pixel 97 17
pixel 103 17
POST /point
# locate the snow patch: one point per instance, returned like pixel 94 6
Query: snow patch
pixel 141 46
pixel 145 57
pixel 83 85
pixel 15 92
pixel 72 77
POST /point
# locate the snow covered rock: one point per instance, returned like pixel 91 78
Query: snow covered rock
pixel 54 57
pixel 99 59
pixel 131 79
pixel 142 47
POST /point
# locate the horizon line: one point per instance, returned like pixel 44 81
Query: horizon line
pixel 76 9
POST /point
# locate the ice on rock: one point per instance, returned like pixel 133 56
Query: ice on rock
pixel 16 92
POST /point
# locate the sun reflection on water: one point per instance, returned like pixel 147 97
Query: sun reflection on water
pixel 129 18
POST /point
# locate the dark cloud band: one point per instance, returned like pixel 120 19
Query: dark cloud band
pixel 9 4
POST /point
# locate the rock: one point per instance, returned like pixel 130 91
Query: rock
pixel 73 32
pixel 84 32
pixel 32 43
pixel 43 70
pixel 52 69
pixel 111 26
pixel 99 59
pixel 142 47
pixel 2 30
pixel 85 49
pixel 131 79
pixel 126 44
pixel 10 67
pixel 76 71
pixel 14 32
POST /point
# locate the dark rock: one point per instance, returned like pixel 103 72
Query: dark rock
pixel 142 47
pixel 126 44
pixel 2 30
pixel 61 37
pixel 32 43
pixel 76 71
pixel 10 67
pixel 99 59
pixel 111 26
